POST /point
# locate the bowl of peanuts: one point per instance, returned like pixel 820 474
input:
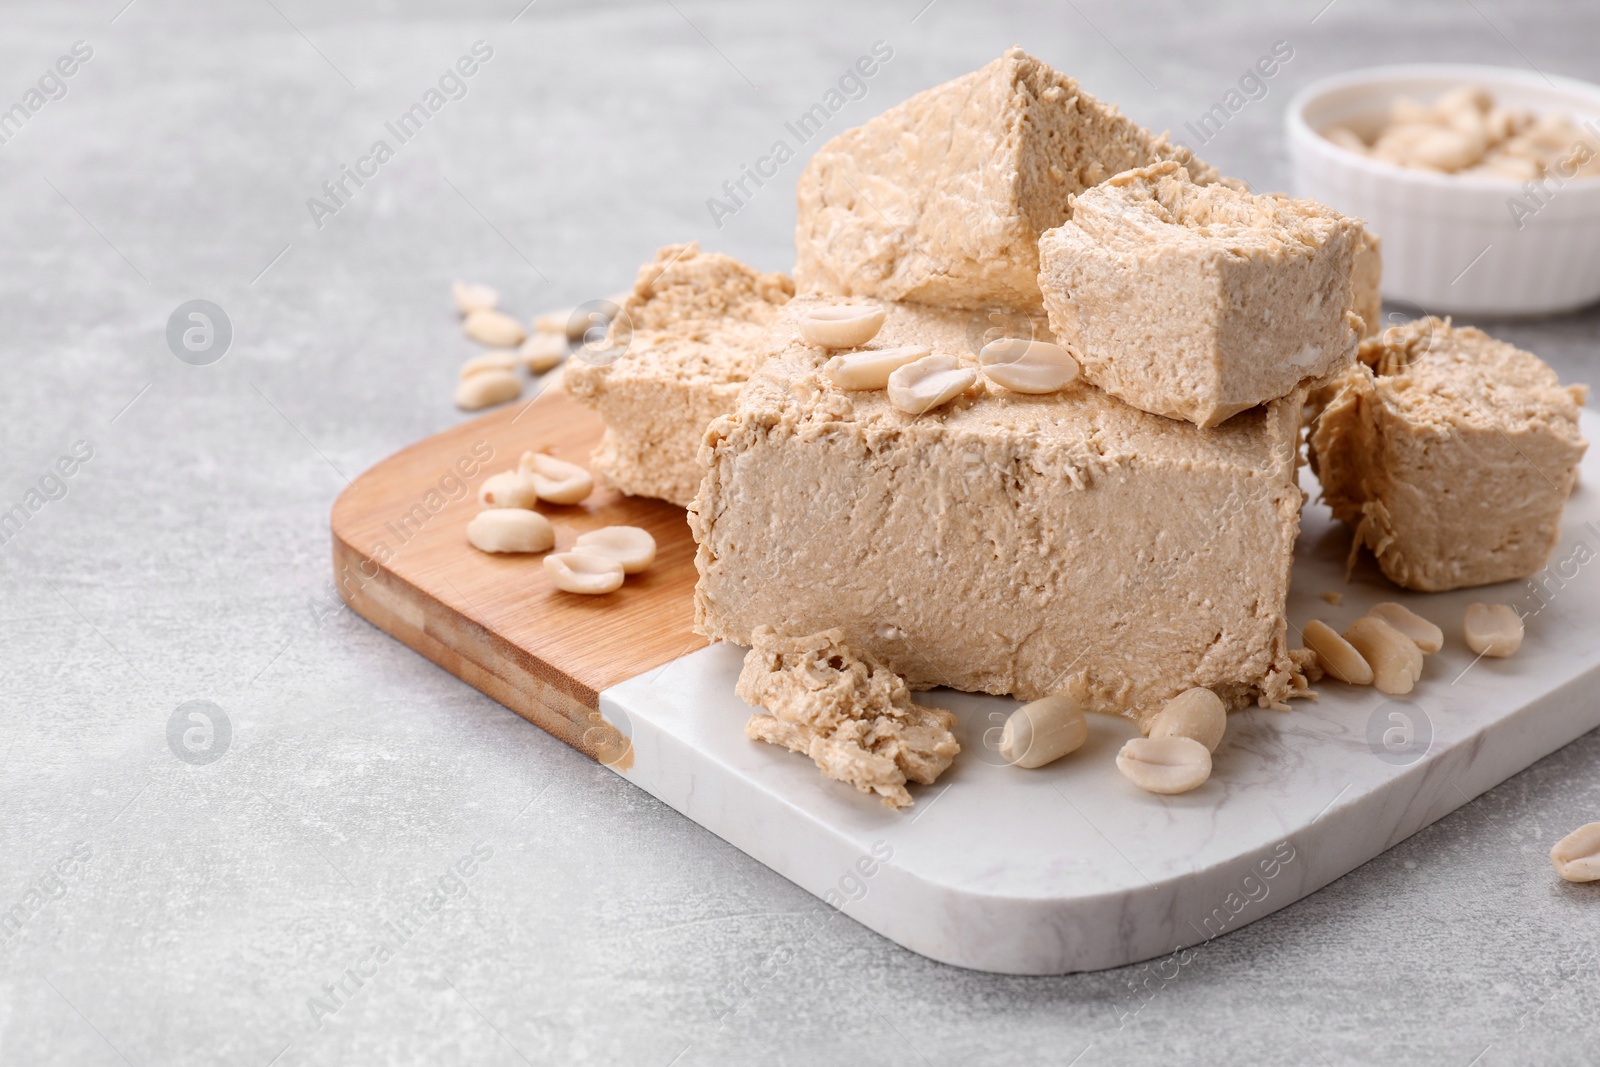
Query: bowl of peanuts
pixel 1483 183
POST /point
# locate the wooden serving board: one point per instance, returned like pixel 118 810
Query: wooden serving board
pixel 401 560
pixel 1065 868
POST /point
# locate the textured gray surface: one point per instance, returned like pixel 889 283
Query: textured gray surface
pixel 188 561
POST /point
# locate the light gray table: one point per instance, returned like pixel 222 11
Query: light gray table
pixel 188 560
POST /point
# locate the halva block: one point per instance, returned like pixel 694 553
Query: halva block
pixel 677 355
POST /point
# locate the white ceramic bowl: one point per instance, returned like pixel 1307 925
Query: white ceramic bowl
pixel 1455 243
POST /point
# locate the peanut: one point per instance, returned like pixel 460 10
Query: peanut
pixel 1395 659
pixel 1025 366
pixel 870 368
pixel 583 572
pixel 508 489
pixel 1336 656
pixel 497 360
pixel 493 328
pixel 470 298
pixel 556 480
pixel 925 384
pixel 543 351
pixel 486 388
pixel 1576 857
pixel 1197 714
pixel 510 530
pixel 630 546
pixel 1427 637
pixel 841 325
pixel 1165 764
pixel 1492 629
pixel 1043 731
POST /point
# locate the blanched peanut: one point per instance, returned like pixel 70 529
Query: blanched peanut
pixel 1197 714
pixel 498 360
pixel 1345 137
pixel 510 530
pixel 1395 659
pixel 543 351
pixel 1025 366
pixel 1165 764
pixel 1576 857
pixel 1043 731
pixel 841 325
pixel 583 572
pixel 927 383
pixel 487 388
pixel 1428 637
pixel 1493 629
pixel 556 480
pixel 508 489
pixel 493 328
pixel 569 323
pixel 470 298
pixel 870 369
pixel 630 546
pixel 1336 656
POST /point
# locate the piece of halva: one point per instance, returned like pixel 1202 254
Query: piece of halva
pixel 1005 542
pixel 941 199
pixel 852 715
pixel 675 358
pixel 1449 453
pixel 1200 301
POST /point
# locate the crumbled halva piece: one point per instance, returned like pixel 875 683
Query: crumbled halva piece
pixel 1199 302
pixel 850 714
pixel 941 199
pixel 1450 454
pixel 688 335
pixel 1004 543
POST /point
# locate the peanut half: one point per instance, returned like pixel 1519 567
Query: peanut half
pixel 1197 714
pixel 470 298
pixel 543 351
pixel 1025 366
pixel 496 360
pixel 1492 629
pixel 1576 857
pixel 841 325
pixel 870 369
pixel 486 388
pixel 508 489
pixel 584 572
pixel 1395 659
pixel 929 382
pixel 556 480
pixel 493 328
pixel 1043 731
pixel 510 530
pixel 1165 764
pixel 630 546
pixel 1428 637
pixel 1336 656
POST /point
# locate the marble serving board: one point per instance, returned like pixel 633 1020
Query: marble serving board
pixel 1062 869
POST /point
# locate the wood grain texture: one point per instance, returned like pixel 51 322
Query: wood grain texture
pixel 401 560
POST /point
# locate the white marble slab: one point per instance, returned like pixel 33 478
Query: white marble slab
pixel 1071 868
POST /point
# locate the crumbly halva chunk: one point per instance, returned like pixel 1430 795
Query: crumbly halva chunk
pixel 1004 543
pixel 1450 454
pixel 687 337
pixel 850 714
pixel 941 199
pixel 1199 302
